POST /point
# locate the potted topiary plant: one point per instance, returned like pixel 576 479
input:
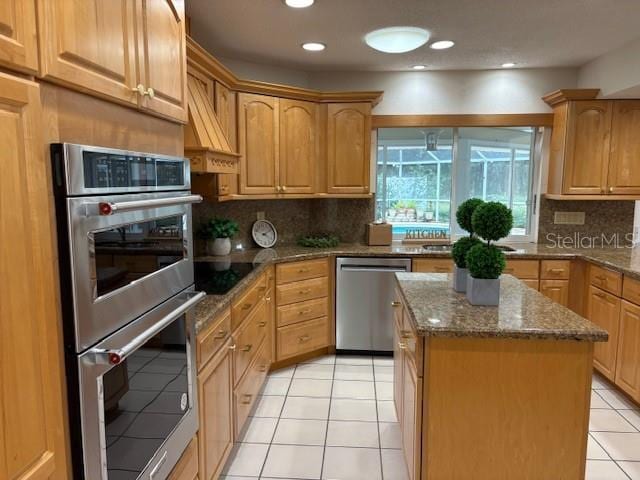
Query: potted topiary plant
pixel 218 233
pixel 464 244
pixel 492 221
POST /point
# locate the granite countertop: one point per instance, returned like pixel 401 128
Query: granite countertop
pixel 438 311
pixel 624 260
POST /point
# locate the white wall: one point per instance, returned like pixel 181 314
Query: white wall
pixel 266 73
pixel 617 73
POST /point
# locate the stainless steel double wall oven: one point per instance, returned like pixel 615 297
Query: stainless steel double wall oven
pixel 126 266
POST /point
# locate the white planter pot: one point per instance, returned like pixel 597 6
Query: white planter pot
pixel 219 247
pixel 460 279
pixel 482 291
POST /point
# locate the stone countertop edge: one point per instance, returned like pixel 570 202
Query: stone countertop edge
pixel 459 319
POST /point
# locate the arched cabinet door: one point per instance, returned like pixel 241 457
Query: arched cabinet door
pixel 298 146
pixel 18 40
pixel 348 148
pixel 624 174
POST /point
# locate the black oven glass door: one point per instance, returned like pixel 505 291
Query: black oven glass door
pixel 127 262
pixel 136 410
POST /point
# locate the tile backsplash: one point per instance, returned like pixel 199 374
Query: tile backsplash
pixel 345 218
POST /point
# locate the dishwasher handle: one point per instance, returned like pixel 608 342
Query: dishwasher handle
pixel 372 268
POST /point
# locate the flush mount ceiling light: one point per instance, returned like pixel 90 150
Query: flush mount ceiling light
pixel 299 3
pixel 508 65
pixel 442 45
pixel 419 67
pixel 314 46
pixel 397 39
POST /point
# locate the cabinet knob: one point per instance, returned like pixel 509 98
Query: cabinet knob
pixel 139 89
pixel 610 189
pixel 221 334
pixel 395 304
pixel 262 324
pixel 232 347
pixel 247 348
pixel 284 189
pixel 278 188
pixel 304 338
pixel 151 92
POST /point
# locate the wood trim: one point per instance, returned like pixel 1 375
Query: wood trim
pixel 199 59
pixel 567 94
pixel 472 120
pixel 287 196
pixel 553 196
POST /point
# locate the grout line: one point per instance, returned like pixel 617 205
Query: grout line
pixel 326 431
pixel 375 390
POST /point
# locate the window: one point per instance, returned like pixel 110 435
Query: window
pixel 423 174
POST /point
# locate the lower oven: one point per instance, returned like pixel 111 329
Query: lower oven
pixel 137 396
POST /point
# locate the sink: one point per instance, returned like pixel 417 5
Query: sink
pixel 447 248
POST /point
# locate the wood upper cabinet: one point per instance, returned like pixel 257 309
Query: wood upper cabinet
pixel 298 146
pixel 348 147
pixel 18 35
pixel 162 64
pixel 587 149
pixel 32 424
pixel 628 357
pixel 226 110
pixel 624 171
pixel 90 45
pixel 215 396
pixel 258 143
pixel 604 310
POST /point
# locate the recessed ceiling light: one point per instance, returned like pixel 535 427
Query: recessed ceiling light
pixel 419 67
pixel 299 3
pixel 397 39
pixel 442 44
pixel 314 46
pixel 508 65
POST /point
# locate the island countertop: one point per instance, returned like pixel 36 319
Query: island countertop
pixel 435 309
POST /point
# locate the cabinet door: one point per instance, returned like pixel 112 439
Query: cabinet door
pixel 624 170
pixel 89 45
pixel 162 57
pixel 588 140
pixel 604 311
pixel 556 290
pixel 215 437
pixel 18 37
pixel 398 365
pixel 298 145
pixel 348 147
pixel 32 429
pixel 226 110
pixel 258 138
pixel 628 361
pixel 411 418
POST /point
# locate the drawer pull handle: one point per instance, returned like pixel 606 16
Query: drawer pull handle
pixel 442 269
pixel 304 312
pixel 556 270
pixel 600 295
pixel 263 368
pixel 406 334
pixel 221 334
pixel 262 289
pixel 396 304
pixel 246 399
pixel 246 348
pixel 304 338
pixel 303 270
pixel 602 278
pixel 262 324
pixel 306 291
pixel 247 306
pixel 402 345
pixel 267 299
pixel 232 347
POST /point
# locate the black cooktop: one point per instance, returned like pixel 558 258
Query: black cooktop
pixel 218 277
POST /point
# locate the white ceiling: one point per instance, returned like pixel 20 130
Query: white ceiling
pixel 533 33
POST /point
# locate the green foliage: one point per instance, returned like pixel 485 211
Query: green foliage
pixel 219 228
pixel 492 221
pixel 319 241
pixel 465 212
pixel 485 261
pixel 461 248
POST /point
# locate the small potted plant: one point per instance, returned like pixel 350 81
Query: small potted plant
pixel 218 233
pixel 464 244
pixel 492 221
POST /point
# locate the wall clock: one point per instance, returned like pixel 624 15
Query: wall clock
pixel 264 233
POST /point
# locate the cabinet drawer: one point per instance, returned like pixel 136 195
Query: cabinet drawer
pixel 298 312
pixel 631 290
pixel 605 279
pixel 412 344
pixel 523 269
pixel 302 337
pixel 247 340
pixel 293 272
pixel 245 394
pixel 187 466
pixel 209 341
pixel 302 291
pixel 555 269
pixel 535 283
pixel 433 265
pixel 242 307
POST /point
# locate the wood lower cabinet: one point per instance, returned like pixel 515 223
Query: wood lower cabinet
pixel 187 466
pixel 298 146
pixel 604 310
pixel 556 290
pixel 246 393
pixel 348 147
pixel 628 356
pixel 433 265
pixel 215 396
pixel 18 35
pixel 32 424
pixel 624 171
pixel 411 417
pixel 398 365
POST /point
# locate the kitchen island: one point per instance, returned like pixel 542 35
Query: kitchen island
pixel 490 392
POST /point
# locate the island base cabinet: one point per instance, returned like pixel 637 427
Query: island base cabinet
pixel 411 417
pixel 505 408
pixel 604 310
pixel 628 358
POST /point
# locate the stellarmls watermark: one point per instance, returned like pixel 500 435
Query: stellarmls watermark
pixel 584 240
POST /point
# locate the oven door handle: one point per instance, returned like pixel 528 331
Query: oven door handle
pixel 109 208
pixel 116 356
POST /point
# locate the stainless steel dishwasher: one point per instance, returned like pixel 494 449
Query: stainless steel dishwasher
pixel 364 292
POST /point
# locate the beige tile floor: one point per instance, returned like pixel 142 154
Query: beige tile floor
pixel 333 418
